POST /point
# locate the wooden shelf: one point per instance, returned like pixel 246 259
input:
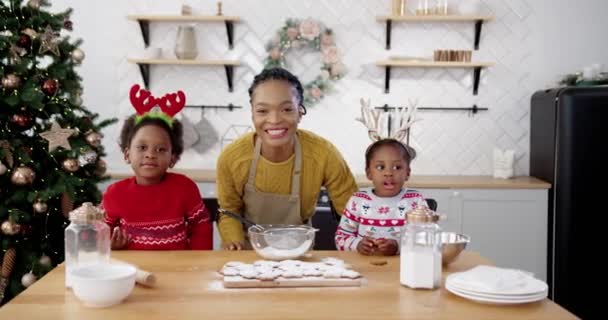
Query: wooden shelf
pixel 431 18
pixel 388 64
pixel 144 66
pixel 478 19
pixel 183 18
pixel 144 23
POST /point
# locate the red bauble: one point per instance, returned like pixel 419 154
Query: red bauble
pixel 24 41
pixel 50 86
pixel 23 121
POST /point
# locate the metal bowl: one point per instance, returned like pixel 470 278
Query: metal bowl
pixel 281 241
pixel 452 245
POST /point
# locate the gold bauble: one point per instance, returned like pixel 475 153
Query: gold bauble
pixel 70 165
pixel 45 261
pixel 34 4
pixel 23 176
pixel 93 139
pixel 40 206
pixel 77 55
pixel 10 228
pixel 11 81
pixel 101 168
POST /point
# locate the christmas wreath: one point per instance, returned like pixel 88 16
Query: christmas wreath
pixel 308 33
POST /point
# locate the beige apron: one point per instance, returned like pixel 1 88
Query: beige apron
pixel 272 208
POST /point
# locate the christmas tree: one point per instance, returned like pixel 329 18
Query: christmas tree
pixel 50 144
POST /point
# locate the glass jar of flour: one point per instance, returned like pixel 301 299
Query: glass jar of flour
pixel 420 261
pixel 87 239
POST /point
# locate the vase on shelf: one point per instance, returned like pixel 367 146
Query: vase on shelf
pixel 398 7
pixel 185 44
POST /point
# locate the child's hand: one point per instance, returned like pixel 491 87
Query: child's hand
pixel 120 238
pixel 366 246
pixel 387 247
pixel 234 245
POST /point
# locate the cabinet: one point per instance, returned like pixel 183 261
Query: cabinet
pixel 388 64
pixel 508 226
pixel 144 24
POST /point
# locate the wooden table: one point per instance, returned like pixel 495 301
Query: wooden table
pixel 189 288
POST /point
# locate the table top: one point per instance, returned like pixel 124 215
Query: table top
pixel 188 286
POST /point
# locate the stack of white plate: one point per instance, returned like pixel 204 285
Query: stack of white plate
pixel 488 284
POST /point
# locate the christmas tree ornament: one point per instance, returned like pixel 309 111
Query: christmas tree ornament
pixel 8 154
pixel 50 86
pixel 40 206
pixel 10 228
pixel 3 168
pixel 58 137
pixel 8 263
pixel 28 279
pixel 67 24
pixel 49 41
pixel 88 157
pixel 101 168
pixel 16 52
pixel 24 41
pixel 67 204
pixel 11 81
pixel 30 33
pixel 77 55
pixel 23 176
pixel 93 138
pixel 23 121
pixel 70 165
pixel 45 260
pixel 34 4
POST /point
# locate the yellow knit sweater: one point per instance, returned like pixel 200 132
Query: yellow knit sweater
pixel 322 165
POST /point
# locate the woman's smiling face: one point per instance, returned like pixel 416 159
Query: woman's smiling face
pixel 275 109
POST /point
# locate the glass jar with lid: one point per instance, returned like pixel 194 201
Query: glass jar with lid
pixel 87 239
pixel 420 260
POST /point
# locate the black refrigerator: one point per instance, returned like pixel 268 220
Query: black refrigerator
pixel 568 144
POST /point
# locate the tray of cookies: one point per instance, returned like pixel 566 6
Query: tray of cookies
pixel 329 272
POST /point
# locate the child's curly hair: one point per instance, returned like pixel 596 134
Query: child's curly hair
pixel 176 133
pixel 408 153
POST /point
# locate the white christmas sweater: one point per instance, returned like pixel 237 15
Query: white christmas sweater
pixel 367 215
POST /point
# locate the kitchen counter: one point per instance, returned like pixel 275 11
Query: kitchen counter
pixel 438 182
pixel 189 287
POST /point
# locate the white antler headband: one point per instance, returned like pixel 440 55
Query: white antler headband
pixel 404 120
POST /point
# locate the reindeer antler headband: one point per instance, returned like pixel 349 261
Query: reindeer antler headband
pixel 371 119
pixel 147 105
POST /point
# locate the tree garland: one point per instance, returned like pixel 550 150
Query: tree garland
pixel 299 34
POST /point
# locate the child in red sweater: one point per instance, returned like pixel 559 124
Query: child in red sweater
pixel 155 209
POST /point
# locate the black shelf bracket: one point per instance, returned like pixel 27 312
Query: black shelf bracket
pixel 230 32
pixel 230 107
pixel 476 74
pixel 387 79
pixel 229 74
pixel 389 27
pixel 144 69
pixel 144 25
pixel 478 24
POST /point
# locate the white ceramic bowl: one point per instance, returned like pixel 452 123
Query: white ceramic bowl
pixel 281 242
pixel 103 285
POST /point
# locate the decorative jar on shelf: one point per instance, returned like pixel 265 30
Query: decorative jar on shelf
pixel 185 44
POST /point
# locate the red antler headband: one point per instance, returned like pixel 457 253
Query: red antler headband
pixel 145 104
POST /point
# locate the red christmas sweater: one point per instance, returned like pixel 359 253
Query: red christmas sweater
pixel 169 215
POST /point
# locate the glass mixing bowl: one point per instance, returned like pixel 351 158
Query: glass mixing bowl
pixel 281 241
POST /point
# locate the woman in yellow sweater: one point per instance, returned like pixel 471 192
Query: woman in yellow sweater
pixel 274 175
